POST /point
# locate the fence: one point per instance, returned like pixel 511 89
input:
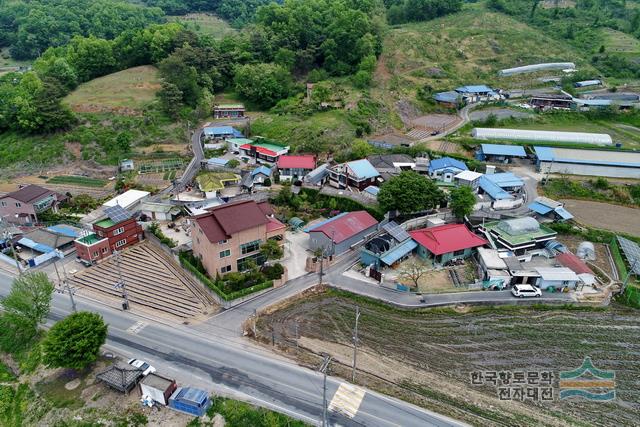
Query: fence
pixel 632 296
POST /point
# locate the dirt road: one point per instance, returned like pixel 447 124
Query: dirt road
pixel 606 216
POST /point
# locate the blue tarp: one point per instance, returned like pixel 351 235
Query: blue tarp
pixel 65 230
pixel 398 252
pixel 539 208
pixel 38 247
pixel 503 150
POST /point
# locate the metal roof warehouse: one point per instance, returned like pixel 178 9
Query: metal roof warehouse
pixel 574 161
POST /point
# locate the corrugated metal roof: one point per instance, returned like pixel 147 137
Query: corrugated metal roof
pixel 468 175
pixel 563 213
pixel 450 97
pixel 539 208
pixel 446 163
pixel 537 67
pixel 557 273
pixel 261 169
pixel 222 130
pixel 217 161
pixel 372 190
pixel 447 238
pixel 589 157
pixel 363 169
pixel 398 252
pixel 494 190
pixel 344 226
pixel 505 179
pixel 474 89
pixel 503 150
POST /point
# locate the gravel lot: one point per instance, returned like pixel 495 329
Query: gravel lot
pixel 606 216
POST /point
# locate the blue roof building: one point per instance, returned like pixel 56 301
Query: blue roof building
pixel 475 90
pixel 217 162
pixel 494 190
pixel 222 132
pixel 501 186
pixel 445 168
pixel 499 152
pixel 358 174
pixel 190 400
pixel 575 161
pixel 263 170
pixel 372 191
pixel 546 207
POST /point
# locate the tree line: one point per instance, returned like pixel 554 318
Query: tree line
pixel 237 13
pixel 30 27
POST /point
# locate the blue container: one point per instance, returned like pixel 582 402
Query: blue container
pixel 190 400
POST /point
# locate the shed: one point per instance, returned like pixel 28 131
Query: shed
pixel 121 377
pixel 578 266
pixel 157 388
pixel 468 178
pixel 318 175
pixel 128 200
pixel 556 278
pixel 190 400
pixel 574 161
pixel 450 98
pixel 159 211
pixel 546 207
pixel 500 152
pixel 217 162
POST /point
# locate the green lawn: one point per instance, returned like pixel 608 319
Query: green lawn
pixel 130 89
pixel 78 180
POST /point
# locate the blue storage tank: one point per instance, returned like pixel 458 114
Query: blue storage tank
pixel 190 400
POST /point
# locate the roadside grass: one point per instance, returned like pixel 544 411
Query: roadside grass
pixel 599 189
pixel 6 375
pixel 130 89
pixel 14 404
pixel 241 414
pixel 204 23
pixel 82 181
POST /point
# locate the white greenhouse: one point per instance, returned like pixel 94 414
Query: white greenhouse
pixel 542 136
pixel 537 67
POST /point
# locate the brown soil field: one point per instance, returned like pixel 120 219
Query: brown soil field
pixel 427 356
pixel 606 216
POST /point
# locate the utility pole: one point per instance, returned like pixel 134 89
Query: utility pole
pixel 323 369
pixel 8 236
pixel 355 344
pixel 121 284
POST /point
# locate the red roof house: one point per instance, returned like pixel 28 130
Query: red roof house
pixel 295 167
pixel 338 234
pixel 227 236
pixel 446 242
pixel 578 266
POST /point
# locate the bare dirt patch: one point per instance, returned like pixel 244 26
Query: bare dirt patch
pixel 439 122
pixel 602 259
pixel 603 215
pixel 427 356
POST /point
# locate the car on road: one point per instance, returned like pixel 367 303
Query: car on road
pixel 523 291
pixel 142 365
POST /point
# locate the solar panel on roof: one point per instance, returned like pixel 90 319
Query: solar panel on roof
pixel 631 252
pixel 117 213
pixel 396 231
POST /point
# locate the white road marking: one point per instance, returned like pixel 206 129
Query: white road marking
pixel 347 400
pixel 137 327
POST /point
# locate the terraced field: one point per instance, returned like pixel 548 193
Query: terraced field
pixel 153 281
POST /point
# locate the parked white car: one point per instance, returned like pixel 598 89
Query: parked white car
pixel 522 291
pixel 144 366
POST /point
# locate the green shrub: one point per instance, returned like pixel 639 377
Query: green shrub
pixel 273 272
pixel 154 229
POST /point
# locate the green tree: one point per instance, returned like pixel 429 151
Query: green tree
pixel 170 98
pixel 409 192
pixel 26 307
pixel 75 341
pixel 271 249
pixel 264 84
pixel 462 201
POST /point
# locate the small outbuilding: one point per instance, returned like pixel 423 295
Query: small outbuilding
pixel 158 388
pixel 190 400
pixel 548 208
pixel 578 266
pixel 468 178
pixel 157 211
pixel 556 278
pixel 500 153
pixel 121 377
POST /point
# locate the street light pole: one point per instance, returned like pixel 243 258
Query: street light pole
pixel 323 369
pixel 121 284
pixel 9 237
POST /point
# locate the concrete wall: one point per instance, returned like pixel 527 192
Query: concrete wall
pixel 591 170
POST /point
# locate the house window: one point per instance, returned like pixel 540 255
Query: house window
pixel 18 205
pixel 225 269
pixel 247 248
pixel 121 243
pixel 460 252
pixel 95 254
pixel 118 231
pixel 4 204
pixel 222 242
pixel 225 253
pixel 105 250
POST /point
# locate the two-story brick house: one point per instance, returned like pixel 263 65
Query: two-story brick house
pixel 114 233
pixel 227 236
pixel 24 205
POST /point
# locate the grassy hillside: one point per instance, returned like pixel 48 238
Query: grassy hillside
pixel 205 23
pixel 126 91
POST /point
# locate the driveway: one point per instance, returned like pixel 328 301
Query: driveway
pixel 296 250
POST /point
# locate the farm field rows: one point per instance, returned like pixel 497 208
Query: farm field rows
pixel 427 356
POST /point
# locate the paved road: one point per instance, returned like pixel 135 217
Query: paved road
pixel 241 370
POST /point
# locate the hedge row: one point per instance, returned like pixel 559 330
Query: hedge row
pixel 211 285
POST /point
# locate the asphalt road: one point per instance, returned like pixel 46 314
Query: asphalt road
pixel 225 365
